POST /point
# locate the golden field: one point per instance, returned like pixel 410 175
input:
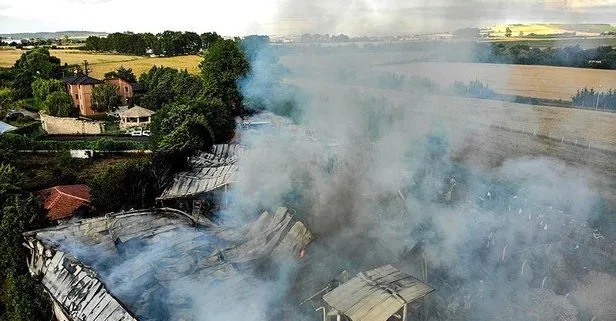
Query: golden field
pixel 531 81
pixel 102 63
pixel 549 29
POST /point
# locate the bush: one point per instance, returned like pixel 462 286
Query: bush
pixel 124 186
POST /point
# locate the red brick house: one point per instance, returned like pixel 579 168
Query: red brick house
pixel 125 89
pixel 80 87
pixel 64 202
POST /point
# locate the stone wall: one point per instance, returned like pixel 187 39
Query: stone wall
pixel 70 126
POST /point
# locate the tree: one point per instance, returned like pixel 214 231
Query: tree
pixel 7 98
pixel 508 32
pixel 179 130
pixel 34 63
pixel 41 88
pixel 105 97
pixel 59 104
pixel 22 297
pixel 122 73
pixel 224 63
pixel 166 85
pixel 208 39
pixel 123 186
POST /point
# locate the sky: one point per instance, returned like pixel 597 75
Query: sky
pixel 281 17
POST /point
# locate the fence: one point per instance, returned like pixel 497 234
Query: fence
pixel 577 142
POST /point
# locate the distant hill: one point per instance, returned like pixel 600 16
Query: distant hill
pixel 52 35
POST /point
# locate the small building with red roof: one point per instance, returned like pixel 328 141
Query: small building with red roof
pixel 64 202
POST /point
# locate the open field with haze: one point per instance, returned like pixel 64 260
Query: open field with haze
pixel 531 81
pixel 102 63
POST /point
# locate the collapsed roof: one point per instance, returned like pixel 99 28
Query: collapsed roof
pixel 377 294
pixel 209 171
pixel 125 266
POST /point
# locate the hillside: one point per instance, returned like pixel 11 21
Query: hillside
pixel 52 35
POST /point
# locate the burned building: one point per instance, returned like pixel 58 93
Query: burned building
pixel 139 265
pixel 381 294
pixel 202 186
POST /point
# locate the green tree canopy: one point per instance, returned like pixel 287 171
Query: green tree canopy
pixel 105 97
pixel 22 297
pixel 123 186
pixel 7 98
pixel 179 130
pixel 59 104
pixel 224 63
pixel 122 73
pixel 34 63
pixel 208 39
pixel 166 85
pixel 41 88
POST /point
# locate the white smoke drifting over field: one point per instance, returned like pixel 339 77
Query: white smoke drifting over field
pixel 374 178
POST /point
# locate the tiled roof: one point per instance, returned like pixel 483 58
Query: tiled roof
pixel 81 79
pixel 62 202
pixel 137 112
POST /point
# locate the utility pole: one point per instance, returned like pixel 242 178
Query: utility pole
pixel 86 70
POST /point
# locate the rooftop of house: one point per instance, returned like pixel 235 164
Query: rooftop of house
pixel 136 112
pixel 81 79
pixel 63 202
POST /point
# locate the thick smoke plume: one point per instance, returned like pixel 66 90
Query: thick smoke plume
pixel 377 172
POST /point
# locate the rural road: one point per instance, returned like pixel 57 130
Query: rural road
pixel 96 137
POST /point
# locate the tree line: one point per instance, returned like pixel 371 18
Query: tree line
pixel 592 99
pixel 573 56
pixel 167 43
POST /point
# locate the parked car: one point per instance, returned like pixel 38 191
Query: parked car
pixel 137 131
pixel 146 132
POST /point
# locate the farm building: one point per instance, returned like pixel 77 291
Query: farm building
pixel 65 202
pixel 124 266
pixel 203 185
pixel 381 294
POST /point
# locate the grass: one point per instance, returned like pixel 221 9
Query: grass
pixel 102 63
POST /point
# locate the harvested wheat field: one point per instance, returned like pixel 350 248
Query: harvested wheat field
pixel 102 63
pixel 456 113
pixel 531 81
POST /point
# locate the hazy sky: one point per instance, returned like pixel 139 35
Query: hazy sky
pixel 240 17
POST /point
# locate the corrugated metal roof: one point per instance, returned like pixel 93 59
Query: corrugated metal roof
pixel 75 287
pixel 209 171
pixel 4 127
pixel 377 294
pixel 185 249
